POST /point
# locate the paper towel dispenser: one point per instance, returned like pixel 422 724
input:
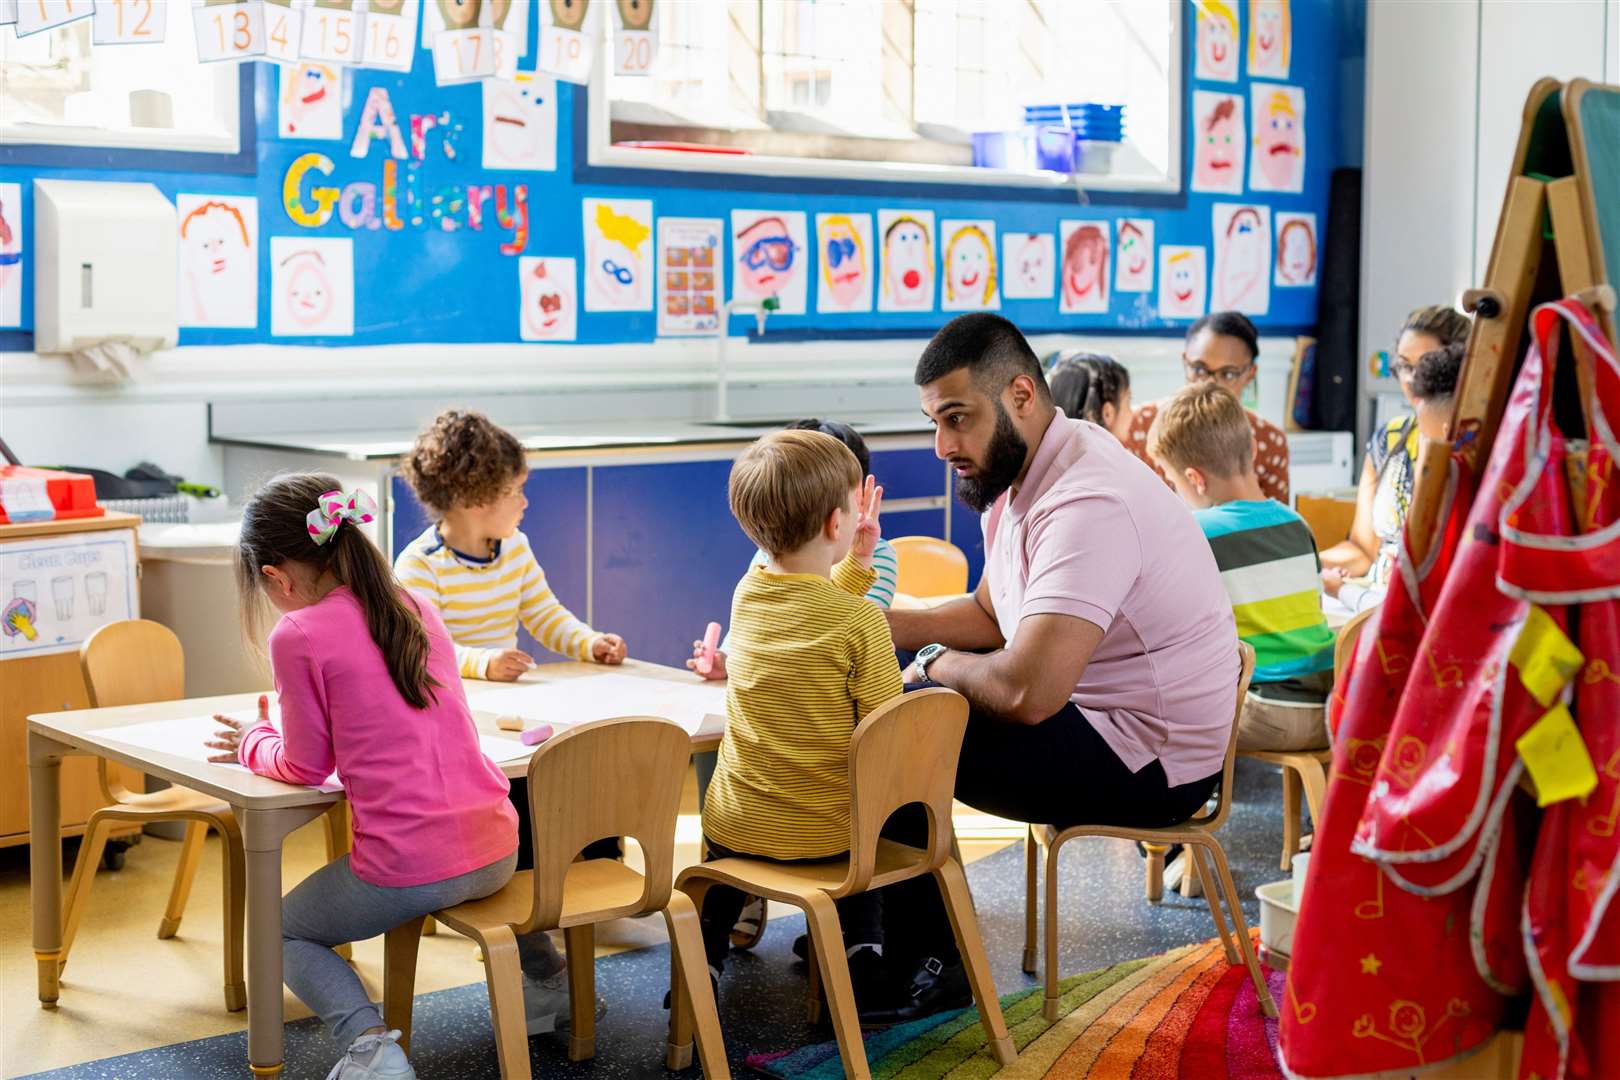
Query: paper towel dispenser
pixel 104 266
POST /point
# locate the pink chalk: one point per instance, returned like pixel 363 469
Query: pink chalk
pixel 711 642
pixel 536 735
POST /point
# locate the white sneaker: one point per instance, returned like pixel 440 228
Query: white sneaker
pixel 545 1003
pixel 373 1057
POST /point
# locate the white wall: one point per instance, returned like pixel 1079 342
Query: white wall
pixel 1446 84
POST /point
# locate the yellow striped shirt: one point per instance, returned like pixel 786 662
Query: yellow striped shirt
pixel 809 658
pixel 481 602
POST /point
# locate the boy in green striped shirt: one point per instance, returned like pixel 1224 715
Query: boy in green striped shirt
pixel 1267 557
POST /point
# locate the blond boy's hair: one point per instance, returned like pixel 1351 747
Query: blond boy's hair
pixel 1203 427
pixel 784 486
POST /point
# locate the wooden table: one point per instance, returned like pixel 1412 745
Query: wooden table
pixel 266 809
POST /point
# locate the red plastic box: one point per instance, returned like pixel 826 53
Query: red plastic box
pixel 72 495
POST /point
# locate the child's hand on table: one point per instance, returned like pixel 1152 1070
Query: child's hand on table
pixel 867 530
pixel 1332 580
pixel 507 665
pixel 608 649
pixel 717 672
pixel 229 737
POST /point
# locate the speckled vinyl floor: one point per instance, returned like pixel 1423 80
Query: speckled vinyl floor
pixel 1104 920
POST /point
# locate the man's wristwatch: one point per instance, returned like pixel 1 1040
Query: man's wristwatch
pixel 927 655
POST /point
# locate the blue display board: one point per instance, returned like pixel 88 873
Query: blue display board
pixel 429 265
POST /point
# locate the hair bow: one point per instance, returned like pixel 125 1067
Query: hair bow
pixel 334 508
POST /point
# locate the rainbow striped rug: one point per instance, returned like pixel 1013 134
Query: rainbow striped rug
pixel 1184 1013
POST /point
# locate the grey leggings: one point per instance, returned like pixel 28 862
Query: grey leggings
pixel 332 906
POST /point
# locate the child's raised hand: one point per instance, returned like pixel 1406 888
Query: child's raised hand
pixel 507 665
pixel 716 672
pixel 867 530
pixel 229 737
pixel 609 649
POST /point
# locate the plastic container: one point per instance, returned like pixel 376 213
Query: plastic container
pixel 70 495
pixel 188 585
pixel 1279 910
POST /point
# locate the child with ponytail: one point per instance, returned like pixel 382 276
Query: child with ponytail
pixel 367 684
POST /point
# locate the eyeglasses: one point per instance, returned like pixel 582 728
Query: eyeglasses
pixel 838 250
pixel 1402 370
pixel 776 250
pixel 622 274
pixel 1226 375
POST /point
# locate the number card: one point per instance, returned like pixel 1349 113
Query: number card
pixel 391 34
pixel 283 29
pixel 334 32
pixel 8 12
pixel 568 33
pixel 129 22
pixel 229 30
pixel 462 56
pixel 36 15
pixel 635 37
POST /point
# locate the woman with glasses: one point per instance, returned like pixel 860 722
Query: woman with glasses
pixel 1386 478
pixel 1224 347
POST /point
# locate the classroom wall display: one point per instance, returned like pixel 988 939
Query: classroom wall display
pixel 1242 258
pixel 618 254
pixel 1270 38
pixel 130 22
pixel 219 259
pixel 968 270
pixel 769 257
pixel 311 286
pixel 440 15
pixel 1218 143
pixel 311 100
pixel 11 254
pixel 1182 281
pixel 906 260
pixel 60 590
pixel 689 273
pixel 1278 157
pixel 550 299
pixel 844 250
pixel 1296 250
pixel 520 123
pixel 1133 261
pixel 1028 265
pixel 1218 39
pixel 1085 267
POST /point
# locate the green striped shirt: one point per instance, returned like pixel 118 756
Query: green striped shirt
pixel 1268 564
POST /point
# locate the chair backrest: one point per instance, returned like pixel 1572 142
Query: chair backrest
pixel 133 662
pixel 903 752
pixel 1211 819
pixel 1344 646
pixel 929 566
pixel 619 777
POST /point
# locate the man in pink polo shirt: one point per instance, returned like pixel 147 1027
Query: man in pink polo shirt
pixel 1098 652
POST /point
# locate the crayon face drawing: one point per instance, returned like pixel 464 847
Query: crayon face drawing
pixel 1217 40
pixel 970 266
pixel 1278 159
pixel 219 270
pixel 1242 258
pixel 844 242
pixel 520 123
pixel 1217 142
pixel 548 299
pixel 1027 263
pixel 11 254
pixel 1134 261
pixel 1181 282
pixel 311 101
pixel 618 254
pixel 1085 267
pixel 311 286
pixel 1296 250
pixel 1269 38
pixel 907 240
pixel 768 249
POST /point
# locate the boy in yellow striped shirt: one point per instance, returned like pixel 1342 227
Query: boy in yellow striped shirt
pixel 809 659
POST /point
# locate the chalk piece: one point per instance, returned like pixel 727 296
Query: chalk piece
pixel 509 723
pixel 536 735
pixel 711 642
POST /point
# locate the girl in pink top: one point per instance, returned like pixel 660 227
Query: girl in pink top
pixel 367 684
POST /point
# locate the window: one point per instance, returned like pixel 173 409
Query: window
pixel 894 89
pixel 57 88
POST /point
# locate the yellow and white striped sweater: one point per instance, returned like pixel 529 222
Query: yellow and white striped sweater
pixel 481 601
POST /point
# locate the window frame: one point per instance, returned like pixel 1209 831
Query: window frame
pixel 597 157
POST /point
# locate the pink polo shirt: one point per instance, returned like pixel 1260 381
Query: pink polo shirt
pixel 1094 533
pixel 428 805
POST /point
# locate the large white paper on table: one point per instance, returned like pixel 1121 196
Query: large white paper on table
pixel 567 702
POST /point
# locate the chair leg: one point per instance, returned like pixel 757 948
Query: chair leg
pixel 1049 976
pixel 1032 853
pixel 821 919
pixel 1291 793
pixel 504 975
pixel 1241 927
pixel 430 926
pixel 1155 872
pixel 233 879
pixel 581 942
pixel 84 875
pixel 339 839
pixel 400 947
pixel 191 851
pixel 956 853
pixel 1212 895
pixel 953 891
pixel 692 1005
pixel 815 994
pixel 1314 777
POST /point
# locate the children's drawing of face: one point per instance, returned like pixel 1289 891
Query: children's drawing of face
pixel 614 256
pixel 513 120
pixel 1246 259
pixel 908 263
pixel 970 271
pixel 548 300
pixel 1184 283
pixel 215 238
pixel 1268 27
pixel 1217 40
pixel 1085 264
pixel 1296 253
pixel 459 14
pixel 309 291
pixel 311 90
pixel 10 244
pixel 1278 141
pixel 1218 148
pixel 843 260
pixel 1030 264
pixel 1133 252
pixel 765 258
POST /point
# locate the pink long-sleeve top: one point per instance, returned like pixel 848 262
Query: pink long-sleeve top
pixel 427 804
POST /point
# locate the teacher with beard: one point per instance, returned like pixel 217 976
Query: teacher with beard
pixel 1098 652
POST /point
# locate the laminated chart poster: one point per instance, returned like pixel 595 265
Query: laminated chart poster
pixel 55 593
pixel 689 275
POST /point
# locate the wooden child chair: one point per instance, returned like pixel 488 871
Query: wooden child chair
pixel 929 566
pixel 902 753
pixel 1196 834
pixel 132 663
pixel 612 778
